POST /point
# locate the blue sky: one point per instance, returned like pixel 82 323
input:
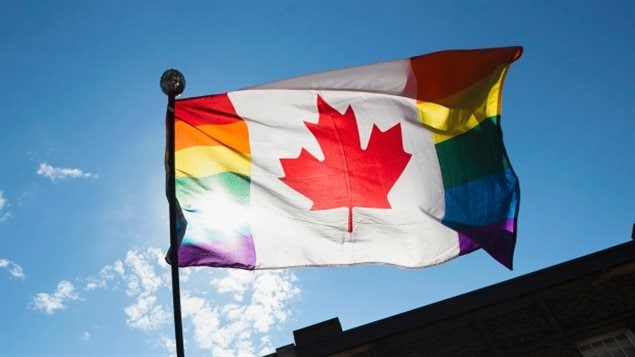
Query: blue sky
pixel 83 216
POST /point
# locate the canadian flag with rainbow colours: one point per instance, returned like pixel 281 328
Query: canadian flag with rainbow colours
pixel 398 163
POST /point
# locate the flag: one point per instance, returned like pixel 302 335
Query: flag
pixel 398 163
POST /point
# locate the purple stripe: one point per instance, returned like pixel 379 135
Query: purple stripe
pixel 466 245
pixel 238 253
pixel 498 240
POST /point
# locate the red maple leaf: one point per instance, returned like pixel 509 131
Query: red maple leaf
pixel 349 176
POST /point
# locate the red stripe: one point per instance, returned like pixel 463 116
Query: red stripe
pixel 441 74
pixel 212 109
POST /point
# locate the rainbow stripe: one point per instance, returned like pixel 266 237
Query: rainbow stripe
pixel 213 169
pixel 459 99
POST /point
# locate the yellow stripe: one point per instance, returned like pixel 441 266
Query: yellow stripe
pixel 462 111
pixel 201 161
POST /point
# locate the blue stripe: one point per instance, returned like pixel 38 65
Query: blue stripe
pixel 482 202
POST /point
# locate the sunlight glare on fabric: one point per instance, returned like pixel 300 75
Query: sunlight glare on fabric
pixel 216 215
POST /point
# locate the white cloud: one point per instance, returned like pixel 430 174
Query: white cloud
pixel 49 303
pixel 265 345
pixel 14 269
pixel 86 336
pixel 55 173
pixel 143 280
pixel 106 275
pixel 224 311
pixel 236 282
pixel 260 301
pixel 257 302
pixel 168 343
pixel 142 283
pixel 4 214
pixel 146 314
pixel 205 319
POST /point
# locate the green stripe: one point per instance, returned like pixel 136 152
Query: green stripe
pixel 234 186
pixel 472 155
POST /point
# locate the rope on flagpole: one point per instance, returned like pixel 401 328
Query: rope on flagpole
pixel 173 84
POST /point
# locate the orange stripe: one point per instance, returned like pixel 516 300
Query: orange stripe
pixel 234 136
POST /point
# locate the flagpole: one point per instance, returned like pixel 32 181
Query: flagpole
pixel 173 84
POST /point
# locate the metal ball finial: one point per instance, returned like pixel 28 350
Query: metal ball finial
pixel 172 82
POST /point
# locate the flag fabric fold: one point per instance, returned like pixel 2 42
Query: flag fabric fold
pixel 398 163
